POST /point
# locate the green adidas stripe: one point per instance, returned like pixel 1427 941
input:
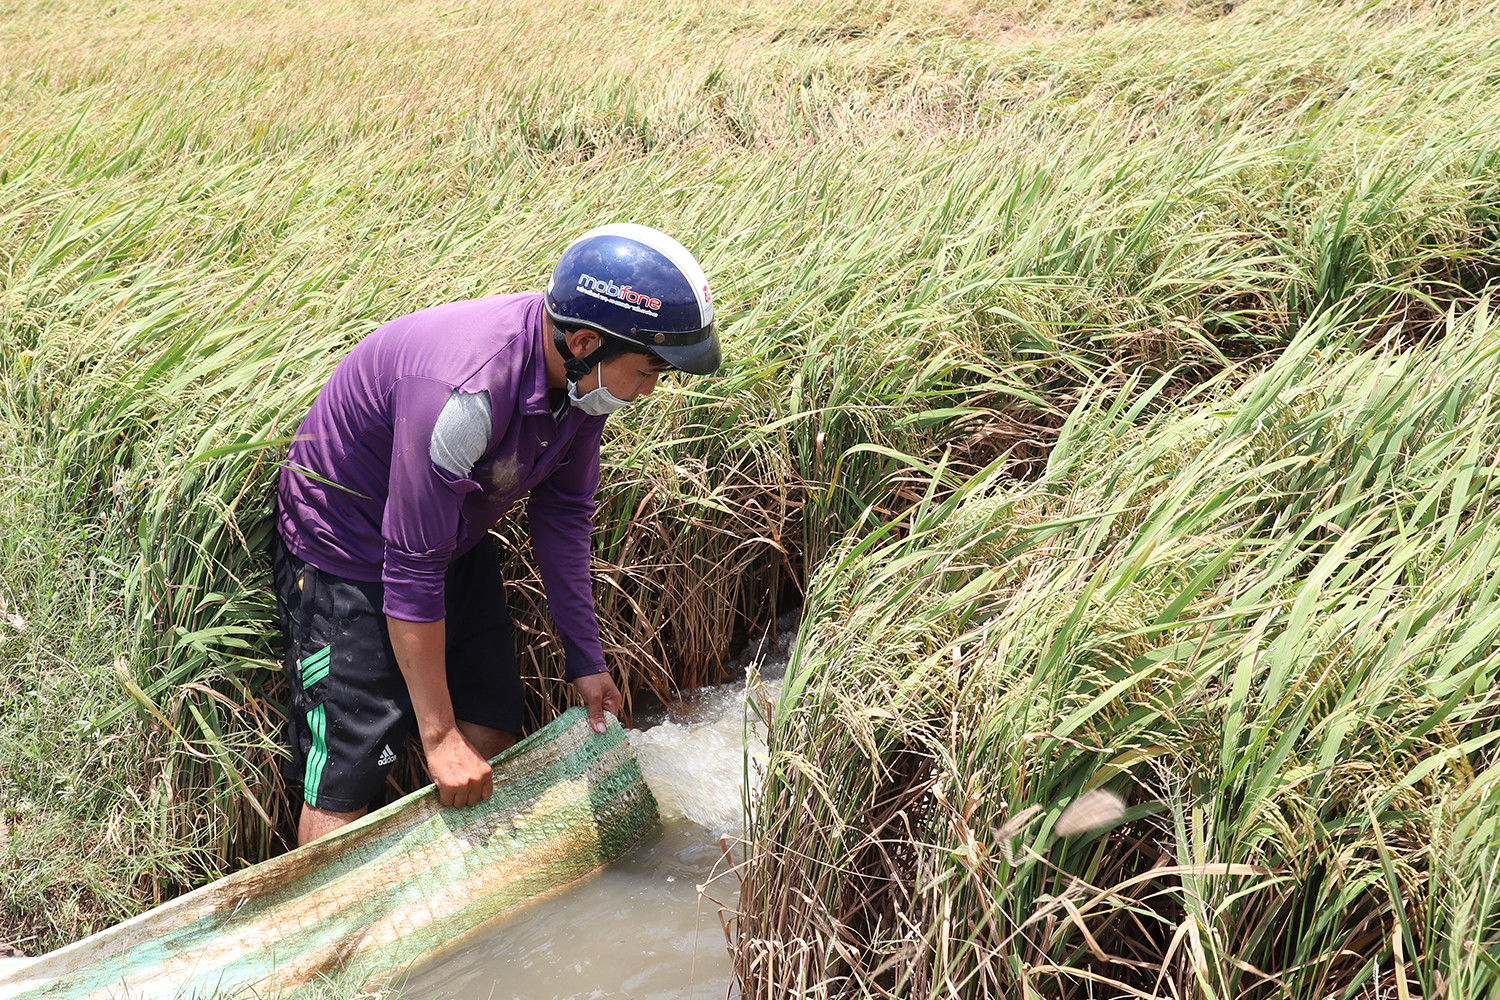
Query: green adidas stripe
pixel 317 722
pixel 315 667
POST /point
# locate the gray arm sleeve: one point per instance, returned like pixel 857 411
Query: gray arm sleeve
pixel 462 432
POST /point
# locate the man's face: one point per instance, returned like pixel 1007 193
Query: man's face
pixel 627 376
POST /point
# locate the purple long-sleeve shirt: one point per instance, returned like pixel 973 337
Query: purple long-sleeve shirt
pixel 361 496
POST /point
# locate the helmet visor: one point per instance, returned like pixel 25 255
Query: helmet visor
pixel 699 357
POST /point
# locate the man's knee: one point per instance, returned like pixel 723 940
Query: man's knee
pixel 315 822
pixel 486 740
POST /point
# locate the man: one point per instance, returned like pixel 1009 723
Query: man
pixel 391 599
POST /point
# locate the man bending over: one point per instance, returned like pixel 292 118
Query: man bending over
pixel 391 600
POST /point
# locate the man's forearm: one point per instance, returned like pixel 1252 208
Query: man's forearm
pixel 420 652
pixel 463 777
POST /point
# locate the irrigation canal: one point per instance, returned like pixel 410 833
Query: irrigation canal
pixel 638 929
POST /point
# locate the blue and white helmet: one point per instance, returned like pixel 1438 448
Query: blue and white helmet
pixel 636 284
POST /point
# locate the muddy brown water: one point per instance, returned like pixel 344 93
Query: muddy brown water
pixel 649 926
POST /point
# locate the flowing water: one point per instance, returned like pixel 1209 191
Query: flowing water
pixel 647 927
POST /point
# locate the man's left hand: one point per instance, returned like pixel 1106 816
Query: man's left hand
pixel 599 695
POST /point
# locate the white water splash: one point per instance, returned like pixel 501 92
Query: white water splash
pixel 698 769
pixel 698 753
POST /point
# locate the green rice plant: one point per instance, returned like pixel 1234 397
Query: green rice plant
pixel 1456 918
pixel 930 230
pixel 1266 619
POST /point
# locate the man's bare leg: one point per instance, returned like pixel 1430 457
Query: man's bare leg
pixel 486 740
pixel 315 822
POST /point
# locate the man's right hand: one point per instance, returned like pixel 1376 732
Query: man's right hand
pixel 463 777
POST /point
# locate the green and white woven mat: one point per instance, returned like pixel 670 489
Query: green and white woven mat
pixel 399 884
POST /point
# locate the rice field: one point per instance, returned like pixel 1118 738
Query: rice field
pixel 1114 381
pixel 1266 621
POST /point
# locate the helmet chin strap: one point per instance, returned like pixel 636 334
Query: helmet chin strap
pixel 576 367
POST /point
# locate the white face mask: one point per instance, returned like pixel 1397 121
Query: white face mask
pixel 599 403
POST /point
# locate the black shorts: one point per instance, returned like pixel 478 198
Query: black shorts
pixel 348 709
